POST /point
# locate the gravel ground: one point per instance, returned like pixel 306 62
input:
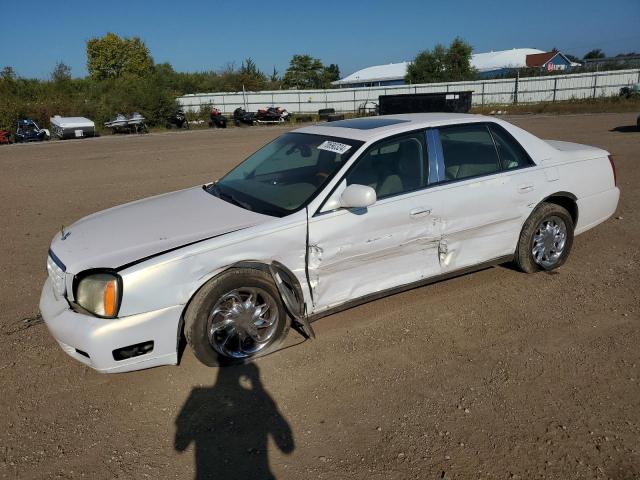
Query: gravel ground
pixel 495 374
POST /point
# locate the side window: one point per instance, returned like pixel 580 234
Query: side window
pixel 393 166
pixel 510 151
pixel 468 151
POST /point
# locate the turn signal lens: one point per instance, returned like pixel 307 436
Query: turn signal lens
pixel 110 299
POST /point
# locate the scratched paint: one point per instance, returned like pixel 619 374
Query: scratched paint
pixel 355 253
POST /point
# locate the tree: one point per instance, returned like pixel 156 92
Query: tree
pixel 331 74
pixel 304 72
pixel 112 56
pixel 428 66
pixel 458 61
pixel 61 72
pixel 250 76
pixel 594 54
pixel 274 82
pixel 274 76
pixel 443 64
pixel 249 67
pixel 572 58
pixel 8 73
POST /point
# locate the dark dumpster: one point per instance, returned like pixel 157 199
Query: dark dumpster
pixel 453 102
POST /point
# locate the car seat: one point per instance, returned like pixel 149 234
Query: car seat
pixel 407 170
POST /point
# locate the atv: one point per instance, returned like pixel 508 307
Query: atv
pixel 177 120
pixel 216 119
pixel 28 131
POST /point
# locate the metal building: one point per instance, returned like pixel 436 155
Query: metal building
pixel 489 65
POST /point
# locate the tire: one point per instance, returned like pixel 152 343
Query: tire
pixel 223 293
pixel 549 240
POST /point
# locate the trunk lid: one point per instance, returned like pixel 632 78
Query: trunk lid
pixel 575 151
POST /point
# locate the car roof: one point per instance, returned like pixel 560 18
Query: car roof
pixel 372 128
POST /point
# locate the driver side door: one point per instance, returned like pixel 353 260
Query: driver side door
pixel 353 253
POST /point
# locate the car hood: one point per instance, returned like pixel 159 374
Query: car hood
pixel 133 231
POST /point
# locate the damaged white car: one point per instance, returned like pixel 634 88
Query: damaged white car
pixel 321 219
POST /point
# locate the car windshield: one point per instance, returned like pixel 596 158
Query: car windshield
pixel 286 174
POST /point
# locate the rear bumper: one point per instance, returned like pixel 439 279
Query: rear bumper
pixel 92 340
pixel 595 209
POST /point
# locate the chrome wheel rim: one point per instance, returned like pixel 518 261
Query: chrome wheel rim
pixel 549 241
pixel 242 322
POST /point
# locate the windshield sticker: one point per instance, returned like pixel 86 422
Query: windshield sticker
pixel 335 147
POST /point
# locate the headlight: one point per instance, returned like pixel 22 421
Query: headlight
pixel 99 293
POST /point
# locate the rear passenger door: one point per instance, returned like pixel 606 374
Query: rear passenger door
pixel 480 219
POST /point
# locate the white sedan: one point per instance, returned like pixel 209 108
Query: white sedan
pixel 321 219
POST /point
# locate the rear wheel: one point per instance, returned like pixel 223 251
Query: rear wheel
pixel 546 239
pixel 236 317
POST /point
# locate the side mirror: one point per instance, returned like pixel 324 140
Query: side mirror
pixel 357 196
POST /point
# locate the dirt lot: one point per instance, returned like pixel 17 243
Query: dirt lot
pixel 496 374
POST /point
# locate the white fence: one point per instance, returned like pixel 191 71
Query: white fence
pixel 485 92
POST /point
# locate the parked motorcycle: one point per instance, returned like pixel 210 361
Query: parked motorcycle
pixel 177 120
pixel 217 120
pixel 242 117
pixel 272 115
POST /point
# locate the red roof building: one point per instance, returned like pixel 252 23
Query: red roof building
pixel 553 60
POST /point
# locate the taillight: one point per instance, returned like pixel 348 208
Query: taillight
pixel 613 167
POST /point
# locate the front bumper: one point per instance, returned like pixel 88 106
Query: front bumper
pixel 92 340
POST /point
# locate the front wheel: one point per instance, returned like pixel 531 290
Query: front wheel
pixel 236 317
pixel 546 239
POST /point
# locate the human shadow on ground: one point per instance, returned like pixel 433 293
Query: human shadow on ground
pixel 626 129
pixel 229 424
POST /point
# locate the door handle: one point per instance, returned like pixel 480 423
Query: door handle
pixel 525 188
pixel 419 212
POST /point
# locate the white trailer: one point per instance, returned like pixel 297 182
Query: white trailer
pixel 72 127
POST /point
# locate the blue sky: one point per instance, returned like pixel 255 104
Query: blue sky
pixel 200 35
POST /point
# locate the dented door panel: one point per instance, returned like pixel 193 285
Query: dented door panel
pixel 481 215
pixel 482 218
pixel 479 222
pixel 353 253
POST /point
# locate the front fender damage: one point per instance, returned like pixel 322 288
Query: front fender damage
pixel 290 292
pixel 291 298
